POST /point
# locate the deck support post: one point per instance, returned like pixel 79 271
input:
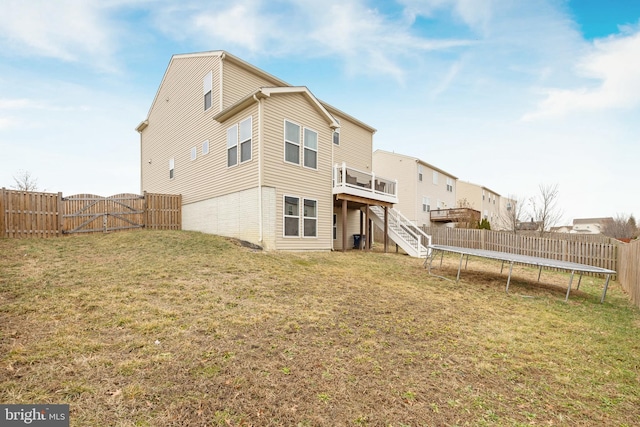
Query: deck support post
pixel 344 225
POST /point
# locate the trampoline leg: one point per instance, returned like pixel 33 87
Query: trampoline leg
pixel 459 268
pixel 604 292
pixel 539 274
pixel 466 262
pixel 441 256
pixel 569 288
pixel 509 278
pixel 502 267
pixel 579 280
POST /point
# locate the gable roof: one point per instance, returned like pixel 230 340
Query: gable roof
pixel 418 161
pixel 266 92
pixel 277 84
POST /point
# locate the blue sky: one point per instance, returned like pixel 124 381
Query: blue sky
pixel 503 93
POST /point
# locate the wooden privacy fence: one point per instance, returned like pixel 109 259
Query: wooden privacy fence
pixel 598 254
pixel 33 214
pixel 629 270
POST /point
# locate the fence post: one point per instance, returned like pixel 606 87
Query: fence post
pixel 60 213
pixel 2 212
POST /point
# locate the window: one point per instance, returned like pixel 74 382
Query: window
pixel 450 185
pixel 194 153
pixel 291 216
pixel 206 88
pixel 310 218
pixel 420 173
pixel 205 147
pixel 336 134
pixel 232 146
pixel 335 226
pixel 426 205
pixel 483 195
pixel 508 206
pixel 435 178
pixel 291 142
pixel 310 148
pixel 171 168
pixel 245 140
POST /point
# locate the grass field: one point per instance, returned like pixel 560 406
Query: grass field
pixel 185 329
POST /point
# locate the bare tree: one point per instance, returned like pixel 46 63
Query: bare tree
pixel 24 181
pixel 470 218
pixel 544 207
pixel 512 214
pixel 621 227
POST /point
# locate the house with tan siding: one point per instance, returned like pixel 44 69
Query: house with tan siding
pixel 482 199
pixel 257 159
pixel 424 190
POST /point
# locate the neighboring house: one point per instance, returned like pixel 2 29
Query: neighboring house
pixel 561 229
pixel 423 189
pixel 257 159
pixel 589 225
pixel 482 199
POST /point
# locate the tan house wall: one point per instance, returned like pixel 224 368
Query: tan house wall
pixel 356 145
pixel 411 190
pixel 226 200
pixel 489 206
pixel 297 180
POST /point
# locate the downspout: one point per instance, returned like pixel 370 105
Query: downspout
pixel 260 219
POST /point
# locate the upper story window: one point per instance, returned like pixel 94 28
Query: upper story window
pixel 205 147
pixel 310 148
pixel 435 177
pixel 420 173
pixel 296 138
pixel 172 165
pixel 291 142
pixel 245 139
pixel 483 195
pixel 450 185
pixel 336 134
pixel 239 135
pixel 194 153
pixel 232 146
pixel 207 85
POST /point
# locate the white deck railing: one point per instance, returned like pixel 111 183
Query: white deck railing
pixel 366 184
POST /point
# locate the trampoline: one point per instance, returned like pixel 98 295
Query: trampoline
pixel 520 259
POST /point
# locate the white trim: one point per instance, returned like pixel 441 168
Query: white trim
pixel 315 218
pixel 285 216
pixel 304 147
pixel 241 141
pixel 284 141
pixel 234 132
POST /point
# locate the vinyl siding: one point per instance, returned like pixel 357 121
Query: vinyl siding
pixel 238 82
pixel 177 125
pixel 403 169
pixel 356 145
pixel 296 180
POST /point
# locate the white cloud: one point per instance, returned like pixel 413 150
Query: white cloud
pixel 614 64
pixel 69 30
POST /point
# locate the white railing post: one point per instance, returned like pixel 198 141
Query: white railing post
pixel 373 182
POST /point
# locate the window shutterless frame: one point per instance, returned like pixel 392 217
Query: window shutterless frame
pixel 291 216
pixel 292 133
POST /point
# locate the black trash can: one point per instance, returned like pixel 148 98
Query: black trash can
pixel 357 238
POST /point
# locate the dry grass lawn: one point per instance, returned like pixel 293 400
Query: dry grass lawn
pixel 185 329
